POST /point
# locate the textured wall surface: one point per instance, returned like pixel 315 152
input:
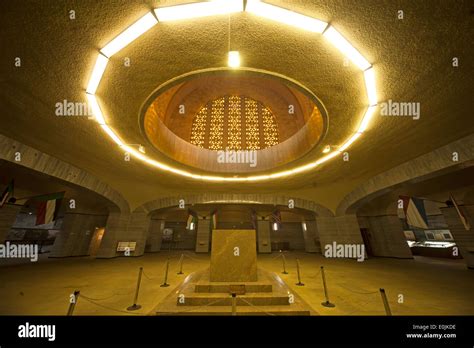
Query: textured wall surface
pixel 412 60
pixel 76 233
pixel 464 238
pixel 386 236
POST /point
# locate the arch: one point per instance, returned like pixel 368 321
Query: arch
pixel 430 165
pixel 46 164
pixel 166 202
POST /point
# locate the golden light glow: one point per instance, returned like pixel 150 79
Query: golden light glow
pixel 198 129
pixel 221 7
pixel 251 125
pixel 366 120
pixel 199 9
pixel 233 59
pixel 95 108
pixel 346 48
pixel 217 125
pixel 285 16
pixel 270 130
pixel 369 77
pixel 234 125
pixel 327 157
pixel 97 72
pixel 349 142
pixel 111 134
pixel 327 149
pixel 130 34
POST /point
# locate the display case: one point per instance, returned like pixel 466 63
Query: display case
pixel 435 249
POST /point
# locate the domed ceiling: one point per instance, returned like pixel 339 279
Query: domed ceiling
pixel 193 118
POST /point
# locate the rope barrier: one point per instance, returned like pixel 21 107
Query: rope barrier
pixel 148 277
pixel 109 308
pixel 362 293
pixel 260 310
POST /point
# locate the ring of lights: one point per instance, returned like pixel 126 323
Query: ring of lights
pixel 216 7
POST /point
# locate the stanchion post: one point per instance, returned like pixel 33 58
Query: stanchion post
pixel 298 272
pixel 165 284
pixel 72 304
pixel 327 303
pixel 136 306
pixel 385 302
pixel 284 264
pixel 181 264
pixel 234 304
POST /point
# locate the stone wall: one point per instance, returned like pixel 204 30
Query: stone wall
pixel 386 236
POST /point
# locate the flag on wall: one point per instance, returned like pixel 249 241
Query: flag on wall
pixel 47 207
pixel 462 217
pixel 192 218
pixel 276 217
pixel 415 212
pixel 7 193
pixel 213 224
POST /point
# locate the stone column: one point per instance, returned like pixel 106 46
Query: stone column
pixel 137 230
pixel 203 236
pixel 76 234
pixel 311 238
pixel 8 215
pixel 155 235
pixel 263 236
pixel 340 229
pixel 125 228
pixel 464 238
pixel 386 237
pixel 115 228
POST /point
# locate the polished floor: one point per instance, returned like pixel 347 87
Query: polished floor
pixel 427 286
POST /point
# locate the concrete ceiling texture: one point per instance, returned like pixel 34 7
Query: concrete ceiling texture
pixel 412 58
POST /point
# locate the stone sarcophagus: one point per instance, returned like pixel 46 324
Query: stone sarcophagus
pixel 233 256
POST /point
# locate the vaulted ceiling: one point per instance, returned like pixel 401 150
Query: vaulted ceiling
pixel 412 58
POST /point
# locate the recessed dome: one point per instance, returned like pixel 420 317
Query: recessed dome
pixel 193 117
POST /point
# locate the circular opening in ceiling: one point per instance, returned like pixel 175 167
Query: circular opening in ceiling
pixel 233 121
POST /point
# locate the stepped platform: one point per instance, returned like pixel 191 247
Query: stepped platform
pixel 267 296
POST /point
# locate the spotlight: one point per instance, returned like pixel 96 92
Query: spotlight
pixel 234 59
pixel 327 149
pixel 141 148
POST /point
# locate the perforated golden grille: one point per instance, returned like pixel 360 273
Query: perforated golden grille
pixel 217 124
pixel 251 122
pixel 234 127
pixel 199 128
pixel 235 123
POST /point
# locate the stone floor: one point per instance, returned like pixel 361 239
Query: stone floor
pixel 429 286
